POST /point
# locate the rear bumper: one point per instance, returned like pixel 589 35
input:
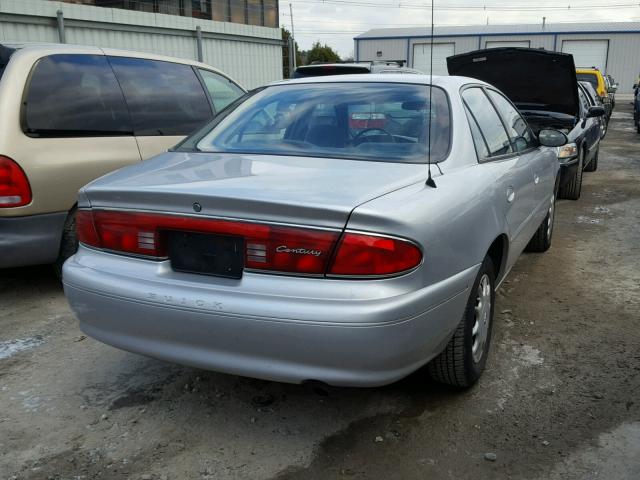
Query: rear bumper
pixel 31 240
pixel 346 333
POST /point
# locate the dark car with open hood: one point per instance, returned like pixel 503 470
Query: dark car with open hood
pixel 544 87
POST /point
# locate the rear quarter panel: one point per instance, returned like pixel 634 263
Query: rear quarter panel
pixel 455 223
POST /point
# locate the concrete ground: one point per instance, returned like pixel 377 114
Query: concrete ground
pixel 560 398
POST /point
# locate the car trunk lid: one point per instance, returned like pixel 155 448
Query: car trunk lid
pixel 319 192
pixel 535 80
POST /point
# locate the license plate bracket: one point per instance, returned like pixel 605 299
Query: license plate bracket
pixel 206 254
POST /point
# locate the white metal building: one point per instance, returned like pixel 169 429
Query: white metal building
pixel 612 47
pixel 242 45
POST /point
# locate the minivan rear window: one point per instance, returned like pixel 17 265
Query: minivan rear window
pixel 164 98
pixel 74 95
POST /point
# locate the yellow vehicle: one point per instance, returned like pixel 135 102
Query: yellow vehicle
pixel 596 79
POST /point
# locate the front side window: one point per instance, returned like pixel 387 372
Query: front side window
pixel 369 121
pixel 517 127
pixel 488 120
pixel 222 90
pixel 584 103
pixel 74 95
pixel 164 98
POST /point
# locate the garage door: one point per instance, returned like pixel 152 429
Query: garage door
pixel 587 53
pixel 506 43
pixel 422 57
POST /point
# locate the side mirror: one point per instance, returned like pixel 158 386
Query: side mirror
pixel 612 89
pixel 595 112
pixel 549 137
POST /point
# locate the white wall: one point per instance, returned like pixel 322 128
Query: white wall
pixel 252 55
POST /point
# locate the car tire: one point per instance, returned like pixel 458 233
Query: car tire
pixel 541 240
pixel 572 189
pixel 462 361
pixel 68 243
pixel 593 164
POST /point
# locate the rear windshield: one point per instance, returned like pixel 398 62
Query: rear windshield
pixel 588 77
pixel 369 121
pixel 323 70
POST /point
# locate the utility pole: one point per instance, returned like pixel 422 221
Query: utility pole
pixel 293 36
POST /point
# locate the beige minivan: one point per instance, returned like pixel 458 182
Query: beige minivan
pixel 69 114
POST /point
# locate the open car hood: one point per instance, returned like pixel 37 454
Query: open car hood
pixel 533 79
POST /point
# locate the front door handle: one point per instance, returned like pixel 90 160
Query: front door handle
pixel 536 179
pixel 511 195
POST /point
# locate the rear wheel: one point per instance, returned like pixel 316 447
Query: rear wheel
pixel 593 164
pixel 572 189
pixel 463 360
pixel 68 244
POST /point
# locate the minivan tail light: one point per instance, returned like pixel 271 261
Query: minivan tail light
pixel 15 190
pixel 267 247
pixel 362 255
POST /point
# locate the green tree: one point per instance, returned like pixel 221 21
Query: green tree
pixel 322 53
pixel 285 53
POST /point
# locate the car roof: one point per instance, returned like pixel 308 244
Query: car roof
pixel 54 48
pixel 591 70
pixel 445 81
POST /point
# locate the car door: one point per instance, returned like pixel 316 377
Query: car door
pixel 543 166
pixel 514 177
pixel 166 101
pixel 590 126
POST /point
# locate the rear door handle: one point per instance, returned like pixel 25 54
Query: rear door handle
pixel 511 195
pixel 536 179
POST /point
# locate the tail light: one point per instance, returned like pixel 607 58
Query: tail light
pixel 364 255
pixel 267 247
pixel 14 185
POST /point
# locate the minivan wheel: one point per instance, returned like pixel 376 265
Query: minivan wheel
pixel 68 244
pixel 572 189
pixel 463 360
pixel 593 164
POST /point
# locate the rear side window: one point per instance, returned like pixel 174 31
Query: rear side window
pixel 517 127
pixel 74 95
pixel 222 90
pixel 164 98
pixel 487 119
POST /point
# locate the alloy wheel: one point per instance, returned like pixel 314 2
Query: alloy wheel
pixel 482 318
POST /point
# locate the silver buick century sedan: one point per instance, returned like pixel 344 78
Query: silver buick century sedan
pixel 300 235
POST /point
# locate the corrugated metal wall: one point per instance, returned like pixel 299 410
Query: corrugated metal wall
pixel 623 60
pixel 252 55
pixel 394 49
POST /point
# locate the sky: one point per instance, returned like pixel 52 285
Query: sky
pixel 336 22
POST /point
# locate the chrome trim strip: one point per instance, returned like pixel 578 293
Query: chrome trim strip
pixel 212 217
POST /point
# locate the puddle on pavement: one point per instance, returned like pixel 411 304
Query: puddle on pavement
pixel 9 348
